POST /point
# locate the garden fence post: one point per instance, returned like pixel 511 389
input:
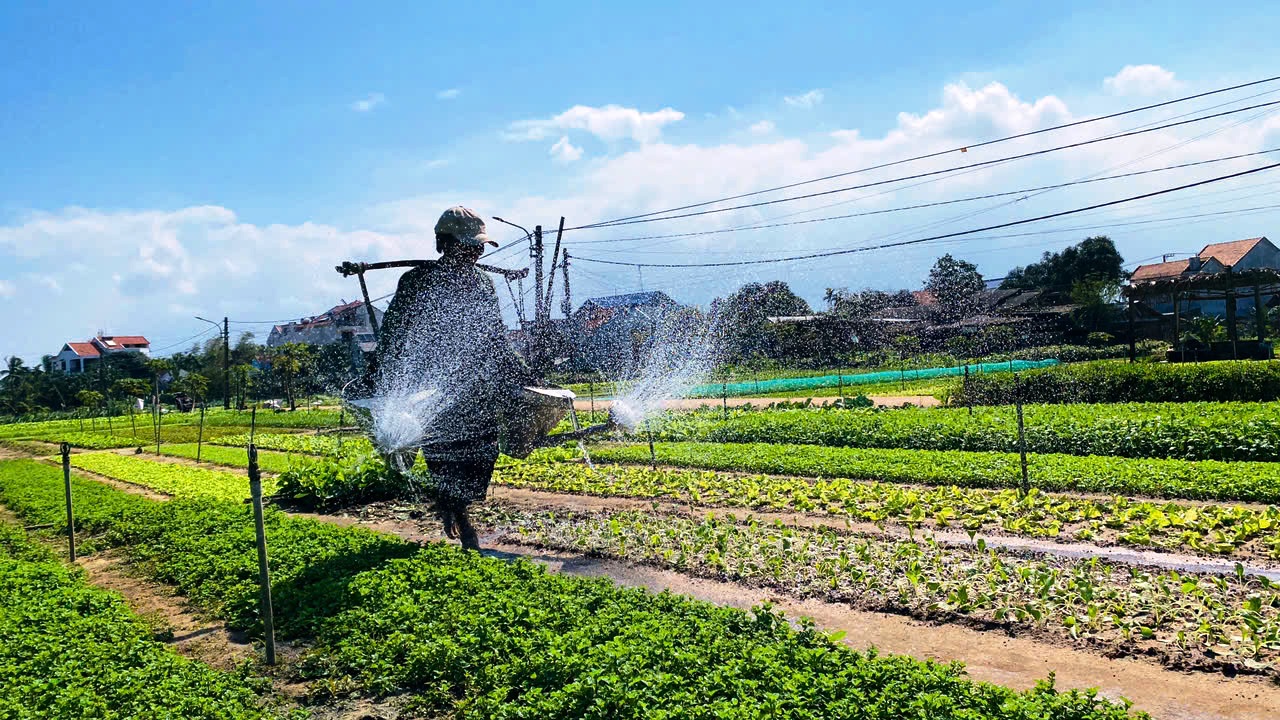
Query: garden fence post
pixel 253 423
pixel 66 481
pixel 264 570
pixel 200 434
pixel 110 429
pixel 653 457
pixel 342 417
pixel 967 400
pixel 133 420
pixel 591 389
pixel 1022 435
pixel 840 382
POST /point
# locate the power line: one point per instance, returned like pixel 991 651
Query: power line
pixel 940 153
pixel 935 237
pixel 944 171
pixel 184 342
pixel 927 205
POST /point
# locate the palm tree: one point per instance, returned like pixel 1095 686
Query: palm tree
pixel 15 369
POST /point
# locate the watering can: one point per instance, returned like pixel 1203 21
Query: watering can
pixel 524 425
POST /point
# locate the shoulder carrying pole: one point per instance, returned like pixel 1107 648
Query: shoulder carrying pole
pixel 349 268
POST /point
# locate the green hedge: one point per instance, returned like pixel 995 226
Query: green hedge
pixel 1111 382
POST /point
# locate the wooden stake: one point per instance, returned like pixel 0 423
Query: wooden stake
pixel 968 400
pixel 1022 435
pixel 71 519
pixel 653 457
pixel 264 569
pixel 200 435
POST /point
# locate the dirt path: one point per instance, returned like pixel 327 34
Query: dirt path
pixel 193 634
pixel 694 403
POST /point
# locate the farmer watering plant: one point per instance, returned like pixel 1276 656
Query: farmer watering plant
pixel 447 382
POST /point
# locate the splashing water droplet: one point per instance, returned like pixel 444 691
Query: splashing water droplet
pixel 680 354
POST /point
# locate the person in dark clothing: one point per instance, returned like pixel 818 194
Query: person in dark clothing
pixel 444 324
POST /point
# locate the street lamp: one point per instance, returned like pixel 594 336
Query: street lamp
pixel 226 359
pixel 537 294
pixel 508 222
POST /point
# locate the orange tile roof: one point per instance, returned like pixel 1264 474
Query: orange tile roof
pixel 924 297
pixel 84 349
pixel 127 339
pixel 1230 253
pixel 1157 271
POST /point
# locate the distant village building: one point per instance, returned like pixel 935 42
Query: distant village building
pixel 609 333
pixel 337 324
pixel 1238 256
pixel 78 357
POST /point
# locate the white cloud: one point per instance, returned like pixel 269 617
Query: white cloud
pixel 609 123
pixel 438 163
pixel 807 100
pixel 373 100
pixel 764 127
pixel 1141 80
pixel 7 289
pixel 133 265
pixel 564 152
pixel 207 258
pixel 449 94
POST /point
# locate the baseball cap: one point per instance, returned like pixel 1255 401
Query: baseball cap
pixel 464 225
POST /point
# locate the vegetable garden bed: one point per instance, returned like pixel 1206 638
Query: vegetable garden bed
pixel 508 640
pixel 1207 480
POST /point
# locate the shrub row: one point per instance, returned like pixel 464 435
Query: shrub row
pixel 1110 382
pixel 1187 431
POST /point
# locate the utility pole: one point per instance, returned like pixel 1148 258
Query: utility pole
pixel 551 279
pixel 226 364
pixel 535 253
pixel 225 331
pixel 566 305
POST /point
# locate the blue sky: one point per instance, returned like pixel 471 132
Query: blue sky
pixel 164 160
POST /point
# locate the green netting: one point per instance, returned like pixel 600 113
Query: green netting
pixel 825 381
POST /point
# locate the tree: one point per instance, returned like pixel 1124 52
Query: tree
pixel 1095 302
pixel 954 283
pixel 17 391
pixel 193 384
pixel 91 399
pixel 241 383
pixel 130 387
pixel 288 363
pixel 1093 259
pixel 743 316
